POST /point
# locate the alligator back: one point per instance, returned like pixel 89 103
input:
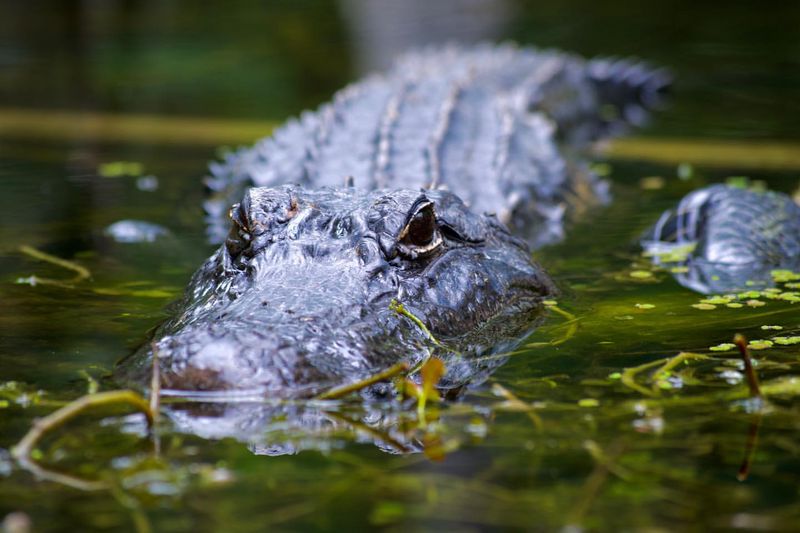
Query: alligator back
pixel 484 122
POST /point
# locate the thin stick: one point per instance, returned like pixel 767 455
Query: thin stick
pixel 371 431
pixel 675 361
pixel 400 309
pixel 22 451
pixel 344 390
pixel 752 379
pixel 140 521
pixel 571 323
pixel 82 272
pixel 628 377
pixel 515 404
pixel 750 447
pixel 603 466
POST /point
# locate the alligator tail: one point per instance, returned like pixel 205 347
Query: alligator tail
pixel 626 91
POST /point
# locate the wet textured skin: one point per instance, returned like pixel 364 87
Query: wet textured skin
pixel 739 236
pixel 297 299
pixel 493 124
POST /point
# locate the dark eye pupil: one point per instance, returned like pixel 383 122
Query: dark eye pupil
pixel 422 226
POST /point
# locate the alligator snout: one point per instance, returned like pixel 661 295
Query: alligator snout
pixel 298 298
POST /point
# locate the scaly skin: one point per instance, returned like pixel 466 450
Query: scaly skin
pixel 739 236
pixel 297 300
pixel 486 123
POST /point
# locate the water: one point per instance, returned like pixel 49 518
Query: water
pixel 587 451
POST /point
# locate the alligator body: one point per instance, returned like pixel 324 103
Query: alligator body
pixel 404 188
pixel 492 124
pixel 727 238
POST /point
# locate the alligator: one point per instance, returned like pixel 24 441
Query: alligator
pixel 420 190
pixel 727 238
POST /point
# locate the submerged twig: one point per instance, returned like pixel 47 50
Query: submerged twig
pixel 140 521
pixel 752 379
pixel 628 377
pixel 750 447
pixel 604 465
pixel 344 390
pixel 374 432
pixel 81 273
pixel 513 403
pixel 571 324
pixel 22 451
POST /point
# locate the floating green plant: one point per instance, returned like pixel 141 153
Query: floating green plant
pixel 724 347
pixel 786 341
pixel 760 344
pixel 717 300
pixel 783 276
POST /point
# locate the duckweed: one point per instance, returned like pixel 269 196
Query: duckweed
pixel 724 347
pixel 760 344
pixel 716 300
pixel 786 340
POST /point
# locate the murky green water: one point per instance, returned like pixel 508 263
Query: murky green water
pixel 577 446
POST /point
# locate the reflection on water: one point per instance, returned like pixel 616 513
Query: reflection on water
pixel 576 430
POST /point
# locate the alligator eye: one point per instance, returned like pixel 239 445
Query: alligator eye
pixel 238 237
pixel 421 235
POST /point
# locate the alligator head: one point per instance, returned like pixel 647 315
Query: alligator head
pixel 300 296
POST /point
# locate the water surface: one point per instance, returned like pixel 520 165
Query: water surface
pixel 574 447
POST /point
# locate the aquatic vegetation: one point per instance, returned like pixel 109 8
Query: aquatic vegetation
pixel 555 439
pixel 81 273
pixel 723 347
pixel 786 341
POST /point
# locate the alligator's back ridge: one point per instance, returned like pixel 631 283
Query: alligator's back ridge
pixel 483 122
